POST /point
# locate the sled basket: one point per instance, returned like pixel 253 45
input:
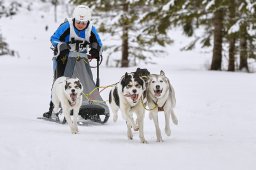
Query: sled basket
pixel 93 105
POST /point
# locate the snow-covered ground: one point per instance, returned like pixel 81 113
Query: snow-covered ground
pixel 216 112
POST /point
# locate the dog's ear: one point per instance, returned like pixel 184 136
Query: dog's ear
pixel 126 75
pixel 122 82
pixel 166 80
pixel 162 73
pixel 144 85
pixel 149 79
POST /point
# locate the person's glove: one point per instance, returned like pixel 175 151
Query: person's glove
pixel 63 48
pixel 94 53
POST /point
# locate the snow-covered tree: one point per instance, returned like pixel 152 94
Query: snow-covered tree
pixel 123 22
pixel 247 33
pixel 9 9
pixel 225 22
pixel 3 46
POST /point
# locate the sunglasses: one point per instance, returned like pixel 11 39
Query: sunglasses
pixel 81 22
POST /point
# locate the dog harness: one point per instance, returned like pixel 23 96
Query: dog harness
pixel 159 108
pixel 74 37
pixel 71 104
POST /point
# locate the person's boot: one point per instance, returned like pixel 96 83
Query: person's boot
pixel 49 113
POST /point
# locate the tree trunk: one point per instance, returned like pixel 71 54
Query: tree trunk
pixel 243 48
pixel 232 37
pixel 231 50
pixel 125 38
pixel 55 13
pixel 55 3
pixel 217 46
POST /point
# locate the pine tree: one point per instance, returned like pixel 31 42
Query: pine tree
pixel 247 21
pixel 2 9
pixel 243 47
pixel 218 29
pixel 243 23
pixel 232 36
pixel 3 46
pixel 218 18
pixel 123 20
pixel 7 10
pixel 241 16
pixel 55 3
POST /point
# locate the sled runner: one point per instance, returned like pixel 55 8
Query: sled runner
pixel 61 120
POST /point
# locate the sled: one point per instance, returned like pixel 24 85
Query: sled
pixel 93 107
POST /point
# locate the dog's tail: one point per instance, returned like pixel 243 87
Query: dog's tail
pixel 172 95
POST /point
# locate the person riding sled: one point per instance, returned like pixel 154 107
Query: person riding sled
pixel 75 34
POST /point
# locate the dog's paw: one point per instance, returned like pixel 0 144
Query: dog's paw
pixel 175 120
pixel 77 129
pixel 130 136
pixel 61 118
pixel 160 140
pixel 115 117
pixel 143 140
pixel 74 130
pixel 168 131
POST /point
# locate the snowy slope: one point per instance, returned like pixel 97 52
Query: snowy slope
pixel 216 112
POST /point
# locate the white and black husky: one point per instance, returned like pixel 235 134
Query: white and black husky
pixel 161 97
pixel 126 96
pixel 67 93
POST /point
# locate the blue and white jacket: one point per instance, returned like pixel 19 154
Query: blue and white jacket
pixel 67 30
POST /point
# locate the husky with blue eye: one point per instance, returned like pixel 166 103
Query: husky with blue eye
pixel 127 96
pixel 67 93
pixel 161 97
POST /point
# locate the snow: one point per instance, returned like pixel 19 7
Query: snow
pixel 209 4
pixel 216 112
pixel 167 6
pixel 235 28
pixel 250 6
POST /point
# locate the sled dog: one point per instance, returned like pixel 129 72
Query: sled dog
pixel 161 97
pixel 126 95
pixel 143 73
pixel 67 93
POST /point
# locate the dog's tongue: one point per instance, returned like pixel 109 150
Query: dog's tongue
pixel 73 97
pixel 134 96
pixel 158 92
